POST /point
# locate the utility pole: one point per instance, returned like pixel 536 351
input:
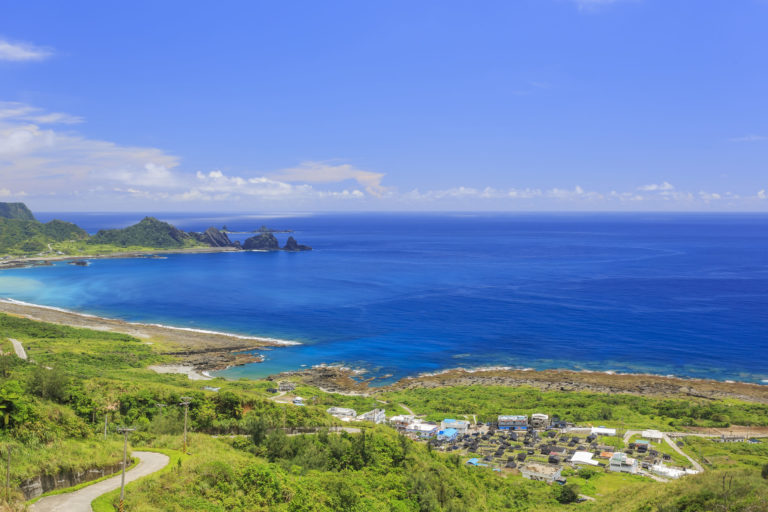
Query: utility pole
pixel 185 401
pixel 106 413
pixel 125 431
pixel 8 475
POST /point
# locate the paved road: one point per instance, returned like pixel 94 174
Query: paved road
pixel 18 348
pixel 80 501
pixel 671 443
pixel 696 465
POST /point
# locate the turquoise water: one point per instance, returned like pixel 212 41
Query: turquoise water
pixel 403 294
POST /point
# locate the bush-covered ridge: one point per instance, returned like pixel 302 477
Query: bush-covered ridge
pixel 149 232
pixel 17 211
pixel 31 236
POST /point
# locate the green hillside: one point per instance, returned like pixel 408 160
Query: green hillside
pixel 15 211
pixel 53 405
pixel 30 236
pixel 150 232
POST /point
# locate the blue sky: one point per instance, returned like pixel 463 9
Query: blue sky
pixel 445 105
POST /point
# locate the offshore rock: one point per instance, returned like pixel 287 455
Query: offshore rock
pixel 214 238
pixel 262 242
pixel 292 246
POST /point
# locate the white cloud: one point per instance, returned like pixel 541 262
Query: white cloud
pixel 321 172
pixel 761 194
pixel 13 110
pixel 710 196
pixel 750 138
pixel 20 52
pixel 44 160
pixel 657 187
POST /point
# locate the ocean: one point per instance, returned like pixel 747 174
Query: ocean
pixel 402 294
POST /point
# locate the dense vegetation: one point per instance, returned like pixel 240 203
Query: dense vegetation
pixel 17 211
pixel 30 236
pixel 53 408
pixel 150 232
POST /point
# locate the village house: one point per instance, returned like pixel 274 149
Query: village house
pixel 603 431
pixel 517 422
pixel 461 426
pixel 731 438
pixel 342 413
pixel 422 429
pixel 583 458
pixel 541 472
pixel 401 421
pixel 653 436
pixel 620 463
pixel 449 434
pixel 539 420
pixel 375 416
pixel 286 386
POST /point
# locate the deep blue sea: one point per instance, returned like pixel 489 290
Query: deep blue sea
pixel 402 294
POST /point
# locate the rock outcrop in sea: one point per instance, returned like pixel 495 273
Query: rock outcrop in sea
pixel 262 242
pixel 292 246
pixel 214 238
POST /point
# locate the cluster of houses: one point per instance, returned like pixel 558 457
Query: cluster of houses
pixel 542 450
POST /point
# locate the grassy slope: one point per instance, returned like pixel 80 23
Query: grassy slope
pixel 279 473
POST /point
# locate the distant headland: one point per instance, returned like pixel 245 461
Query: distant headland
pixel 23 239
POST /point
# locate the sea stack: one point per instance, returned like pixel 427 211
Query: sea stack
pixel 292 246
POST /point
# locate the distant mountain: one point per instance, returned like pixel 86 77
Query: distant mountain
pixel 150 232
pixel 15 211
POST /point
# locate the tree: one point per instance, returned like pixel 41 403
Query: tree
pixel 14 407
pixel 764 472
pixel 568 493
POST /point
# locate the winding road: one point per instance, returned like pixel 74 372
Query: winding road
pixel 80 501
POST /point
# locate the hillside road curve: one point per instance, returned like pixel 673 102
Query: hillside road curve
pixel 80 501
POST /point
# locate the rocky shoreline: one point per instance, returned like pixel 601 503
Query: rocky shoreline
pixel 210 351
pixel 341 380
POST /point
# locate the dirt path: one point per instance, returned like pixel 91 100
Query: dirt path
pixel 80 501
pixel 18 348
pixel 407 409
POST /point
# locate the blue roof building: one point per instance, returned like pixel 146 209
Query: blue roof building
pixel 449 434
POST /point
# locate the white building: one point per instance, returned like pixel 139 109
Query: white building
pixel 539 420
pixel 342 413
pixel 653 436
pixel 460 426
pixel 374 416
pixel 583 458
pixel 423 429
pixel 602 431
pixel 401 421
pixel 620 463
pixel 541 472
pixel 514 422
pixel 674 473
